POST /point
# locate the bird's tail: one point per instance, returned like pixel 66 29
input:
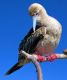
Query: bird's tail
pixel 17 66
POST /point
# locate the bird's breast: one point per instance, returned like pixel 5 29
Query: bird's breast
pixel 47 44
pixel 45 47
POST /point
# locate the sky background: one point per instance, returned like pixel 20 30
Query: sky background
pixel 15 22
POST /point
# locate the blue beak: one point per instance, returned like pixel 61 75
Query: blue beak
pixel 34 22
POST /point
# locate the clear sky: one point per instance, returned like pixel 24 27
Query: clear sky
pixel 15 22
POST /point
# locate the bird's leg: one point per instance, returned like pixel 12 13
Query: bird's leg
pixel 41 58
pixel 48 58
pixel 52 57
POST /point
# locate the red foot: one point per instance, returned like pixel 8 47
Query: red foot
pixel 52 57
pixel 41 58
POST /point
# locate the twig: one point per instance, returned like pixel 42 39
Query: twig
pixel 34 59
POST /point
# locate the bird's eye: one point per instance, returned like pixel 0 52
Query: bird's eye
pixel 37 12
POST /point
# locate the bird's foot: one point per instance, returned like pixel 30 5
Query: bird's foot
pixel 48 58
pixel 41 58
pixel 52 57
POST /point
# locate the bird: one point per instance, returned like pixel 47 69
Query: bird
pixel 42 39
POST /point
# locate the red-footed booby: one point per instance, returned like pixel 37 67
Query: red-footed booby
pixel 42 39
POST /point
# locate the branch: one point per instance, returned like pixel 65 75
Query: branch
pixel 36 63
pixel 34 59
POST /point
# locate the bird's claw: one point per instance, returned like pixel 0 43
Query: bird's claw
pixel 49 58
pixel 41 58
pixel 52 57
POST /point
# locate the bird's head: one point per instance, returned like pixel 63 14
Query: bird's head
pixel 36 10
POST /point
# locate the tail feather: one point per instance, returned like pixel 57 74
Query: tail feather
pixel 17 66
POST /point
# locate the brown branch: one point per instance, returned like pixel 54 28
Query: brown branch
pixel 35 61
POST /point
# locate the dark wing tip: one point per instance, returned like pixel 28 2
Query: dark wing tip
pixel 14 68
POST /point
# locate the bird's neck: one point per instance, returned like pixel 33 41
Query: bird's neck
pixel 43 13
pixel 42 18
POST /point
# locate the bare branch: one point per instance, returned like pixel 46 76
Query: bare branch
pixel 34 59
pixel 36 63
pixel 61 56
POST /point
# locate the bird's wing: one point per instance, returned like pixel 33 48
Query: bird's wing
pixel 16 66
pixel 29 43
pixel 21 46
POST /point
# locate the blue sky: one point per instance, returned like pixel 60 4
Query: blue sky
pixel 15 22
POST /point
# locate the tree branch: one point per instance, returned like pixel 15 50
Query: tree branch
pixel 35 61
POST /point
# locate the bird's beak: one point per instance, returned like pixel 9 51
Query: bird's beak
pixel 34 22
